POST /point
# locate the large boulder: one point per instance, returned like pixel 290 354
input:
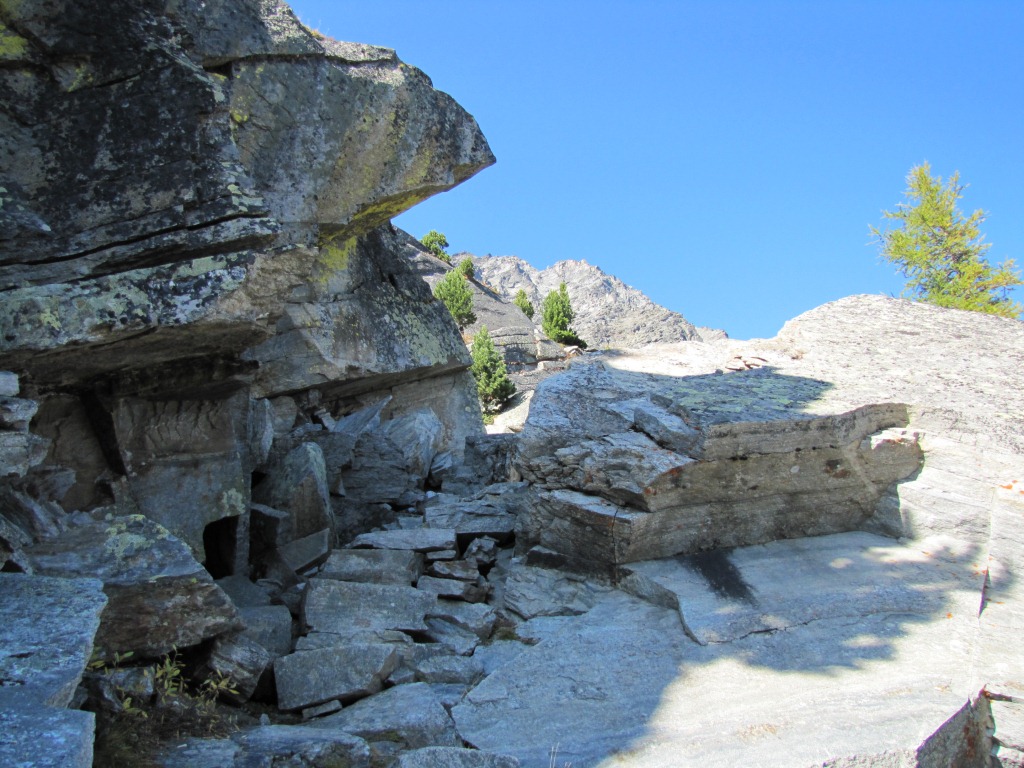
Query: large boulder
pixel 159 597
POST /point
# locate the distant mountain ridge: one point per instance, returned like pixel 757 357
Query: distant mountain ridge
pixel 609 313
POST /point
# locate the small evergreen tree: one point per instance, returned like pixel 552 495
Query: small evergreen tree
pixel 465 268
pixel 493 385
pixel 436 242
pixel 941 252
pixel 557 317
pixel 456 295
pixel 522 301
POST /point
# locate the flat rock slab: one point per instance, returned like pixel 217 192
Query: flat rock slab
pixel 270 626
pixel 373 566
pixel 47 626
pixel 724 595
pixel 415 539
pixel 343 672
pixel 43 737
pixel 344 607
pixel 883 679
pixel 588 689
pixel 409 715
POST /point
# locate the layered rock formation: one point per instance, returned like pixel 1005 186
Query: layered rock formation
pixel 609 313
pixel 203 302
pixel 889 640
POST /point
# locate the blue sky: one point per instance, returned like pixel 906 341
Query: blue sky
pixel 726 158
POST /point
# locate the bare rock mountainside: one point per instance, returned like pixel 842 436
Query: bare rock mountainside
pixel 609 313
pixel 249 515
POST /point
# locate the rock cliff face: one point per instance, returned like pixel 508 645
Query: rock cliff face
pixel 201 292
pixel 609 313
pixel 196 219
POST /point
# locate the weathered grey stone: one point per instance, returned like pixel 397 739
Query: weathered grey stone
pixel 307 552
pixel 410 715
pixel 464 670
pixel 477 518
pixel 16 413
pixel 471 592
pixel 43 737
pixel 47 627
pixel 243 193
pixel 344 672
pixel 297 484
pixel 453 757
pixel 241 659
pixel 187 463
pixel 614 495
pixel 419 435
pixel 9 385
pixel 19 452
pixel 477 618
pixel 440 555
pixel 463 570
pixel 271 528
pixel 243 593
pixel 302 747
pixel 459 640
pixel 316 640
pixel 38 519
pixel 327 708
pixel 373 566
pixel 343 607
pixel 284 410
pixel 159 596
pixel 534 592
pixel 417 540
pixel 270 626
pixel 483 552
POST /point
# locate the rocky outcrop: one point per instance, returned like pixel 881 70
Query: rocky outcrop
pixel 609 313
pixel 878 617
pixel 199 283
pixel 196 221
pixel 47 627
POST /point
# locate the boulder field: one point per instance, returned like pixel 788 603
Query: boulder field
pixel 244 476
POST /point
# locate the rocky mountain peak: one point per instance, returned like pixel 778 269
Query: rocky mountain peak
pixel 609 313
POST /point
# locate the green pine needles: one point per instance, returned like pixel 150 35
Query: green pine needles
pixel 557 317
pixel 493 385
pixel 436 243
pixel 454 291
pixel 522 301
pixel 941 252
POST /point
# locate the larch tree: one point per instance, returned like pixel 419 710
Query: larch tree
pixel 942 253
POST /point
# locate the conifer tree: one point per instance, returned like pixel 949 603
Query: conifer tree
pixel 557 316
pixel 493 385
pixel 453 290
pixel 436 243
pixel 941 252
pixel 522 301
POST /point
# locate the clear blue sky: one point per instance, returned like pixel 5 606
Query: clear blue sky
pixel 726 158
